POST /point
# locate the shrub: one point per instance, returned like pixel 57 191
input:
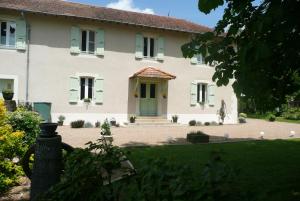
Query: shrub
pixel 97 124
pixel 198 123
pixel 192 123
pixel 242 120
pixel 27 121
pixel 105 128
pixel 272 117
pixel 61 118
pixel 214 123
pixel 11 146
pixel 197 137
pixel 132 119
pixel 206 123
pixel 174 118
pixel 243 115
pixel 292 114
pixel 88 125
pixel 77 124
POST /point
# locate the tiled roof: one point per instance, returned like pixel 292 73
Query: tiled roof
pixel 151 72
pixel 65 8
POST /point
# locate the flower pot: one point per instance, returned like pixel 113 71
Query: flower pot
pixel 7 95
pixel 132 120
pixel 60 123
pixel 48 129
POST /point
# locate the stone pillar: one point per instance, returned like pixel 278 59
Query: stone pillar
pixel 10 105
pixel 47 165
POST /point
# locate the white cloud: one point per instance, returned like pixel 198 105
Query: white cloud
pixel 128 5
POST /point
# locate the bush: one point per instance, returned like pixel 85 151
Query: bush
pixel 242 120
pixel 27 121
pixel 88 125
pixel 198 123
pixel 105 128
pixel 192 123
pixel 272 117
pixel 197 137
pixel 11 146
pixel 243 115
pixel 206 123
pixel 97 124
pixel 214 123
pixel 77 124
pixel 292 114
pixel 61 118
pixel 132 119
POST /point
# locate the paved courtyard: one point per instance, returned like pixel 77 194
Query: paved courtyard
pixel 158 135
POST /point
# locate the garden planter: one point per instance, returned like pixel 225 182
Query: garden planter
pixel 197 138
pixel 60 123
pixel 7 95
pixel 108 138
pixel 48 129
pixel 132 120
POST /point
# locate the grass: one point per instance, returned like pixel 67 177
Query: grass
pixel 270 170
pixel 265 117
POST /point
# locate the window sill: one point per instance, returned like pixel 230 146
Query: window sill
pixel 150 59
pixel 4 47
pixel 87 55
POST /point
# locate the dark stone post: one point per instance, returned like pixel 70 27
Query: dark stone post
pixel 11 105
pixel 47 165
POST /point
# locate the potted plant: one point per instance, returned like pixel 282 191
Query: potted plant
pixel 61 119
pixel 132 119
pixel 113 122
pixel 105 132
pixel 97 124
pixel 48 129
pixel 174 118
pixel 7 94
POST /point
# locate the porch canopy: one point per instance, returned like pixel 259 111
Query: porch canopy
pixel 151 72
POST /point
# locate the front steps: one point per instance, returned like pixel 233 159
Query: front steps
pixel 151 121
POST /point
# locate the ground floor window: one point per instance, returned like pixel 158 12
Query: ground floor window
pixel 201 93
pixel 86 88
pixel 8 33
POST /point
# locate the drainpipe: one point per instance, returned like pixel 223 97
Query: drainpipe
pixel 27 57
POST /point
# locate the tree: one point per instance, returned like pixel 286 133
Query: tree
pixel 256 46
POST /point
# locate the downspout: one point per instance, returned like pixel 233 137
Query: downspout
pixel 27 57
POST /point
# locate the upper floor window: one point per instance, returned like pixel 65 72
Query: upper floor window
pixel 88 41
pixel 86 88
pixel 201 93
pixel 200 59
pixel 149 47
pixel 8 33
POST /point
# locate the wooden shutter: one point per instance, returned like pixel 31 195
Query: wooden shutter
pixel 21 34
pixel 75 40
pixel 98 90
pixel 211 88
pixel 139 46
pixel 161 48
pixel 193 93
pixel 100 42
pixel 74 89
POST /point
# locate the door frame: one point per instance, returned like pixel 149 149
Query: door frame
pixel 148 82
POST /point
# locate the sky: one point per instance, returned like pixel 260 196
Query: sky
pixel 184 9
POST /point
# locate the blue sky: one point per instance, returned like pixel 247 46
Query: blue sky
pixel 185 9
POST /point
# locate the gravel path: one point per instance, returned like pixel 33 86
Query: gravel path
pixel 158 135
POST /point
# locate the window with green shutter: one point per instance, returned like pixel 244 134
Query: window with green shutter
pixel 139 46
pixel 211 94
pixel 160 49
pixel 193 93
pixel 74 89
pixel 75 40
pixel 100 42
pixel 98 87
pixel 21 34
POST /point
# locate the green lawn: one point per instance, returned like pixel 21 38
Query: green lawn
pixel 267 169
pixel 265 117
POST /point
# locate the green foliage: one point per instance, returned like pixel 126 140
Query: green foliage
pixel 197 137
pixel 263 61
pixel 244 115
pixel 132 119
pixel 192 123
pixel 271 117
pixel 292 114
pixel 27 121
pixel 206 123
pixel 61 118
pixel 242 120
pixel 77 124
pixel 174 118
pixel 88 125
pixel 97 124
pixel 105 128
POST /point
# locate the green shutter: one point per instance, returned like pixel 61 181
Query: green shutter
pixel 100 42
pixel 74 89
pixel 75 40
pixel 193 93
pixel 211 88
pixel 194 60
pixel 98 87
pixel 161 48
pixel 139 46
pixel 21 34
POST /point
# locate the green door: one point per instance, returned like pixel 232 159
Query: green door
pixel 148 99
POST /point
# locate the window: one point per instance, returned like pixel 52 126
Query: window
pixel 143 90
pixel 8 34
pixel 88 41
pixel 149 47
pixel 86 88
pixel 201 93
pixel 200 59
pixel 152 90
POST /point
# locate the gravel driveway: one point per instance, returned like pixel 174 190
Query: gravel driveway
pixel 158 135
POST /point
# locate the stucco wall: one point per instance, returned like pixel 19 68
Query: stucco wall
pixel 51 64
